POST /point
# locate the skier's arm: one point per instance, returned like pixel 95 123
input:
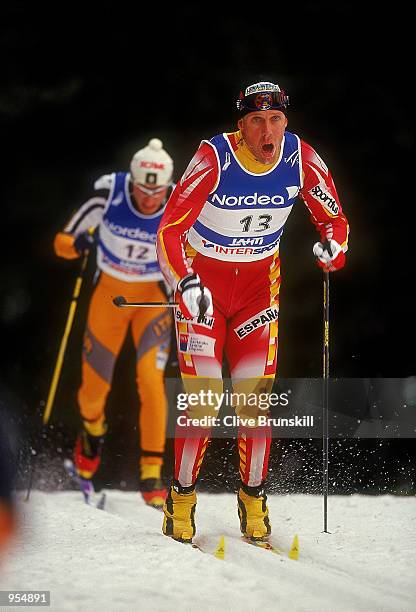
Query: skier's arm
pixel 83 221
pixel 321 198
pixel 182 210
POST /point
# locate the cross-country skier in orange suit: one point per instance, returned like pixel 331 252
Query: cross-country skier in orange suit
pixel 125 216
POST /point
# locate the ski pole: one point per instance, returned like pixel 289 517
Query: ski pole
pixel 64 341
pixel 121 302
pixel 325 402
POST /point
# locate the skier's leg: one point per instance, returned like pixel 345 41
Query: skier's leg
pixel 104 335
pixel 200 348
pixel 254 449
pixel 252 355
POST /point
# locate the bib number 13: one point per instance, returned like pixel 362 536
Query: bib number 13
pixel 263 223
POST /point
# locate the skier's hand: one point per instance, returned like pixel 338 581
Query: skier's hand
pixel 85 241
pixel 194 299
pixel 329 254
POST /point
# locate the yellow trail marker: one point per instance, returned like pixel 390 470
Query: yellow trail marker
pixel 294 549
pixel 220 552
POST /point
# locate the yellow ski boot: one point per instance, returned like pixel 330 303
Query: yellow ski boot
pixel 179 511
pixel 253 513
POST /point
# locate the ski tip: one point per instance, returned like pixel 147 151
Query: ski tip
pixel 294 549
pixel 220 550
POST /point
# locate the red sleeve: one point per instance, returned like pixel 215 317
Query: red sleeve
pixel 321 198
pixel 182 210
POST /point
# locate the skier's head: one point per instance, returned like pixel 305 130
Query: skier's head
pixel 151 172
pixel 262 109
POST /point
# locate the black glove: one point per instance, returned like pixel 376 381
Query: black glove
pixel 84 242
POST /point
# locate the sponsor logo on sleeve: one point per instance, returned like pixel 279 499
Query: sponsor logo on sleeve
pixel 259 320
pixel 321 194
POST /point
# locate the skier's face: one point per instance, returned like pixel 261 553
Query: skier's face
pixel 263 133
pixel 148 198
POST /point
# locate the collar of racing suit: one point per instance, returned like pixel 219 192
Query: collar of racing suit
pixel 245 156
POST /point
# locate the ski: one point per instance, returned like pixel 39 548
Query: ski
pixel 292 554
pixel 218 553
pixel 189 544
pixel 264 545
pixel 85 486
pixel 193 545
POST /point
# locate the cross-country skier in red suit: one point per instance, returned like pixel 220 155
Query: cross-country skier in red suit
pixel 218 247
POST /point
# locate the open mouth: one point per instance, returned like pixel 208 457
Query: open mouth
pixel 268 149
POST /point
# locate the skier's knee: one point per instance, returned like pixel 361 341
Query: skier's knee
pixel 251 399
pixel 203 399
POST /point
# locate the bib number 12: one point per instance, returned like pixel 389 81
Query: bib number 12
pixel 136 252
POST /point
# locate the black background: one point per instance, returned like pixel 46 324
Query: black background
pixel 84 87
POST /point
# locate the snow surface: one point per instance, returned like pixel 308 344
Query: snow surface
pixel 118 559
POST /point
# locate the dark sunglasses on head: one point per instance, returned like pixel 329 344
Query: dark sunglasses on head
pixel 262 100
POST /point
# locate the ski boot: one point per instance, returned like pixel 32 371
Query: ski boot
pixel 179 511
pixel 151 486
pixel 253 513
pixel 87 454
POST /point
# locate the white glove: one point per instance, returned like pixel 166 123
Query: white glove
pixel 195 300
pixel 329 254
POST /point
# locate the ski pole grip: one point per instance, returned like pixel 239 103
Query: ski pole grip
pixel 119 301
pixel 327 246
pixel 203 306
